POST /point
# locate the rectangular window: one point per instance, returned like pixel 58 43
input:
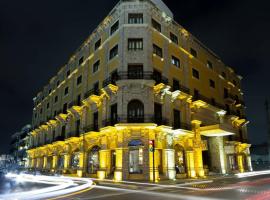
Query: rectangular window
pixel 223 74
pixel 135 44
pixel 174 38
pixel 157 76
pixel 97 44
pixel 212 83
pixel 96 88
pixel 157 50
pixel 176 85
pixel 176 119
pixel 66 91
pixel 63 132
pixel 135 18
pixel 65 106
pixel 68 73
pixel 55 99
pixel 96 66
pixel 114 27
pixel 95 121
pixel 156 25
pixel 79 80
pixel 114 52
pixel 175 61
pixel 196 94
pixel 195 73
pixel 48 105
pixel 81 60
pixel 193 52
pixel 79 100
pixel 226 93
pixel 58 83
pixel 209 65
pixel 78 124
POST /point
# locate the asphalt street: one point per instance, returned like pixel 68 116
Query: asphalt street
pixel 248 188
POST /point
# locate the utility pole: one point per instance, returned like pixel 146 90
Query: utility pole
pixel 268 128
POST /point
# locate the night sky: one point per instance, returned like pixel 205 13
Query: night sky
pixel 38 37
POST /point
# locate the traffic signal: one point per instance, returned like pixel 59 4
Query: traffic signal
pixel 151 145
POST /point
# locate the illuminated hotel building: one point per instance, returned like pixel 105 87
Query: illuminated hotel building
pixel 140 76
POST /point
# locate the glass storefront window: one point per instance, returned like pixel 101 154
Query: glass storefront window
pixel 93 160
pixel 136 157
pixel 75 159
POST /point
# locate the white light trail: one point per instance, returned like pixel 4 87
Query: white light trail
pixel 62 186
pixel 250 174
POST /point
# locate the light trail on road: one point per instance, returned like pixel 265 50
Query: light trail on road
pixel 62 186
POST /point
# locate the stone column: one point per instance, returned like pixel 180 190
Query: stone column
pixel 104 160
pixel 118 175
pixel 190 164
pixel 198 161
pixel 54 162
pixel 218 158
pixel 249 163
pixel 82 161
pixel 45 160
pixel 240 163
pixel 169 163
pixel 155 168
pixel 66 162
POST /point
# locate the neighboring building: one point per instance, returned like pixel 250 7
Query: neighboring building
pixel 139 77
pixel 6 162
pixel 19 146
pixel 259 155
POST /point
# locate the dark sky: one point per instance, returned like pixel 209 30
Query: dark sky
pixel 38 37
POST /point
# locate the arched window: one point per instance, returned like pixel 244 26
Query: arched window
pixel 93 160
pixel 135 112
pixel 135 157
pixel 180 162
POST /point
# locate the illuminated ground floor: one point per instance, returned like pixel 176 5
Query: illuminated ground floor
pixel 122 153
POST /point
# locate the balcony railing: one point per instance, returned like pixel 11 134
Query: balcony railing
pixel 144 75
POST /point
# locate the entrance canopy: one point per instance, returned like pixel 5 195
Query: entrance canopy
pixel 217 130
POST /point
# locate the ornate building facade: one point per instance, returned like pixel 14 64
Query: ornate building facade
pixel 141 77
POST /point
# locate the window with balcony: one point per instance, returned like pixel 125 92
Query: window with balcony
pixel 63 132
pixel 95 121
pixel 135 44
pixel 156 25
pixel 135 71
pixel 79 99
pixel 157 76
pixel 68 73
pixel 135 18
pixel 78 124
pixel 96 66
pixel 193 52
pixel 97 44
pixel 174 38
pixel 114 116
pixel 176 119
pixel 175 61
pixel 157 50
pixel 96 88
pixel 113 52
pixel 135 112
pixel 158 113
pixel 65 106
pixel 114 27
pixel 55 99
pixel 195 73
